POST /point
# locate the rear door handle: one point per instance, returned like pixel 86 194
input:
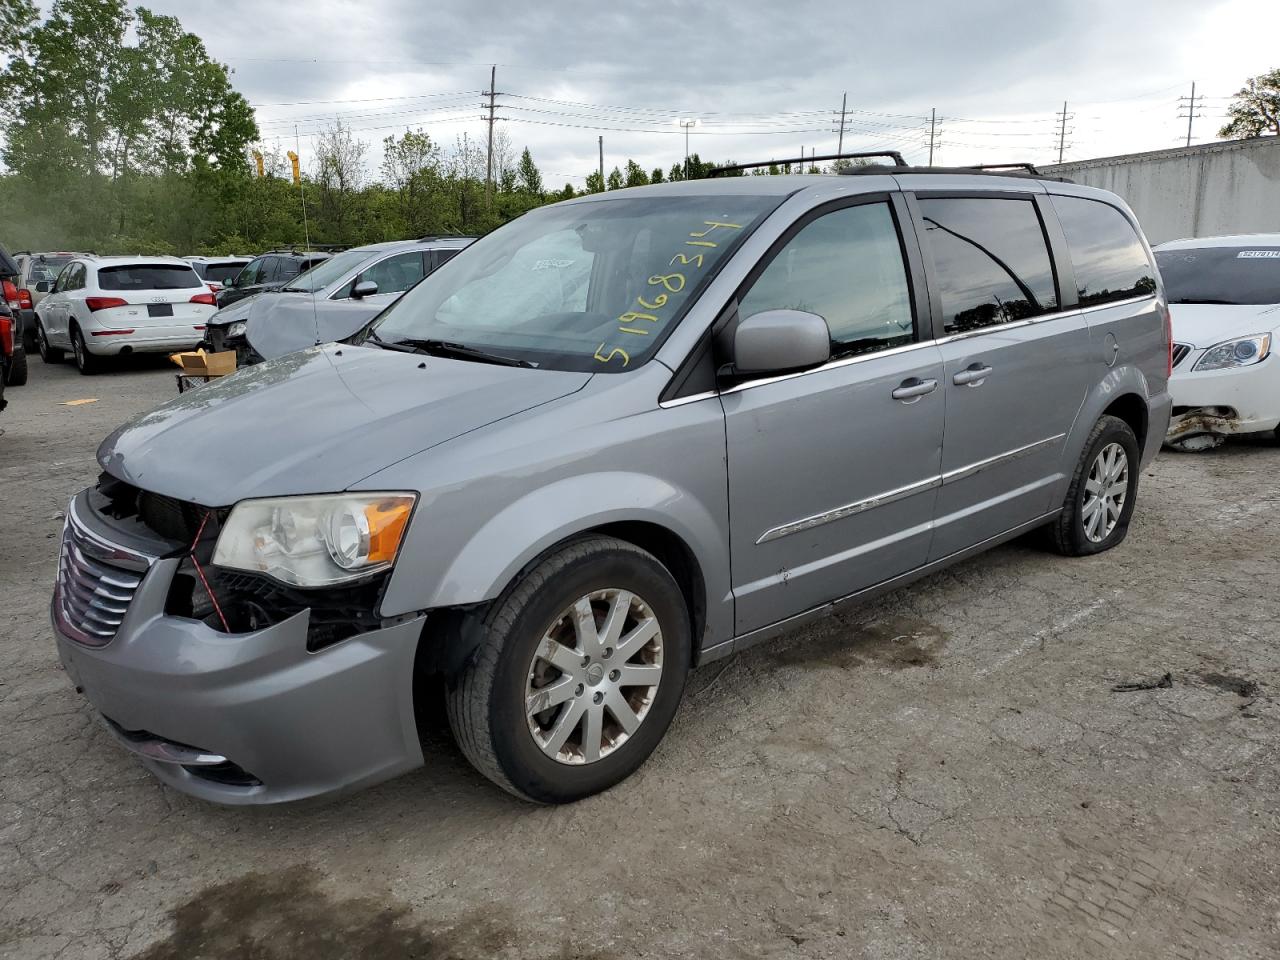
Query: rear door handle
pixel 913 389
pixel 972 376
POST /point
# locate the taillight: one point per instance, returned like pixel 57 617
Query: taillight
pixel 24 299
pixel 10 294
pixel 104 303
pixel 205 298
pixel 6 336
pixel 215 287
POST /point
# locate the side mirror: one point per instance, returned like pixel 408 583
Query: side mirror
pixel 365 288
pixel 44 286
pixel 777 341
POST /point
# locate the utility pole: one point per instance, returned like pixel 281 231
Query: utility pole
pixel 686 125
pixel 844 98
pixel 1192 104
pixel 1062 131
pixel 602 162
pixel 933 127
pixel 488 175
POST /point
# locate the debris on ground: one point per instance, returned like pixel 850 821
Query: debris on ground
pixel 1162 684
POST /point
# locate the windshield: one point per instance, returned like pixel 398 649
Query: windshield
pixel 329 271
pixel 1236 275
pixel 222 272
pixel 590 286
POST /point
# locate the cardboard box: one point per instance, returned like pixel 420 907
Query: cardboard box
pixel 197 363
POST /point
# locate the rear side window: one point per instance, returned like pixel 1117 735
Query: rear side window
pixel 847 267
pixel 991 260
pixel 1109 260
pixel 147 276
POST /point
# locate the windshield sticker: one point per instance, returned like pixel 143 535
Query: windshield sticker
pixel 553 264
pixel 1258 255
pixel 663 284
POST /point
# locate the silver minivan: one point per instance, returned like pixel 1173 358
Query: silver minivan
pixel 619 437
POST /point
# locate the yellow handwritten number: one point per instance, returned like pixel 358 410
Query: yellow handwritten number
pixel 615 352
pixel 673 282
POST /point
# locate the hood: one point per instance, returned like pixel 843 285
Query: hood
pixel 282 322
pixel 1202 325
pixel 317 421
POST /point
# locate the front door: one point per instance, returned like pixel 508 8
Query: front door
pixel 833 472
pixel 1015 364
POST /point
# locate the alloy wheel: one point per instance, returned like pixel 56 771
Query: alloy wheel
pixel 1105 492
pixel 594 676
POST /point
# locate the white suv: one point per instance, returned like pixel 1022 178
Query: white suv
pixel 111 306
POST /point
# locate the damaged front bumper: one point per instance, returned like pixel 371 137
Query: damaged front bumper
pixel 1219 403
pixel 237 718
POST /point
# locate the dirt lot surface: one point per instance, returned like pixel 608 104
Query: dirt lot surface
pixel 944 773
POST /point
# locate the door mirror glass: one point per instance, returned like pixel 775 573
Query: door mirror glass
pixel 777 341
pixel 365 288
pixel 44 286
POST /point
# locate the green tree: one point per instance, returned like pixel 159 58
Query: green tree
pixel 614 182
pixel 1255 111
pixel 530 178
pixel 411 170
pixel 595 183
pixel 635 175
pixel 656 175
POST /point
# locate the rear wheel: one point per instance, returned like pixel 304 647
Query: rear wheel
pixel 580 669
pixel 1103 491
pixel 17 372
pixel 86 362
pixel 47 353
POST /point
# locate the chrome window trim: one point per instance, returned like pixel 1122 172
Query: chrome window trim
pixel 891 496
pixel 829 365
pixel 1117 303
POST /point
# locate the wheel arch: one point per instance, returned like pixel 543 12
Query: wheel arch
pixel 1132 409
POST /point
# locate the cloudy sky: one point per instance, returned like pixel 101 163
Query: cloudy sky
pixel 763 79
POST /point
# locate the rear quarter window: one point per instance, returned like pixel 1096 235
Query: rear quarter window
pixel 148 276
pixel 1109 259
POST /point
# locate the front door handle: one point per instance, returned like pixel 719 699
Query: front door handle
pixel 972 375
pixel 913 389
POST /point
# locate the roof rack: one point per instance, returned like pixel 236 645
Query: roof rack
pixel 1024 170
pixel 443 236
pixel 893 155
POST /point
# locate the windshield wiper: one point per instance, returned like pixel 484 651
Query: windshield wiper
pixel 294 290
pixel 400 345
pixel 460 351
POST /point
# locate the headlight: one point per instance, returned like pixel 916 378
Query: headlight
pixel 235 330
pixel 1241 352
pixel 315 541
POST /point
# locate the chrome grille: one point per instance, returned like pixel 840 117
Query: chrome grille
pixel 1180 351
pixel 93 595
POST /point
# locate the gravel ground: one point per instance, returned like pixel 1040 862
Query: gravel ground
pixel 946 772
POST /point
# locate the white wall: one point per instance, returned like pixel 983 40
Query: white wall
pixel 1200 191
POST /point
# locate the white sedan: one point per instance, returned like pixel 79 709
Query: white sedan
pixel 1224 295
pixel 111 306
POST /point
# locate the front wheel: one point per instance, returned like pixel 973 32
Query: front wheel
pixel 1100 501
pixel 48 353
pixel 578 674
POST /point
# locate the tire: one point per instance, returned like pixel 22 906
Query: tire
pixel 487 700
pixel 17 373
pixel 86 362
pixel 47 353
pixel 1072 534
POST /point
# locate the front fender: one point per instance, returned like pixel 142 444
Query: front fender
pixel 516 535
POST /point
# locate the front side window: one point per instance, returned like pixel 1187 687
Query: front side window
pixel 147 276
pixel 396 274
pixel 847 267
pixel 324 273
pixel 593 285
pixel 253 274
pixel 1109 260
pixel 1232 275
pixel 63 282
pixel 991 260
